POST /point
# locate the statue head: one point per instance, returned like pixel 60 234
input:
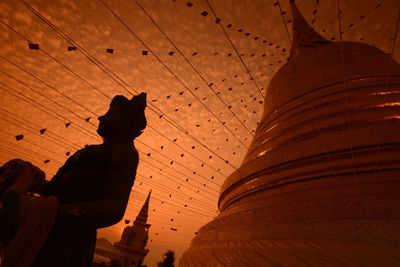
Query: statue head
pixel 125 119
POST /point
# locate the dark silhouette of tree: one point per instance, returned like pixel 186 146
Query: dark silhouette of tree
pixel 168 259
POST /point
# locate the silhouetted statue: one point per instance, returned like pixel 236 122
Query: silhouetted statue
pixel 90 191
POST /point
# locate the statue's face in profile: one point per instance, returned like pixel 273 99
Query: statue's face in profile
pixel 115 120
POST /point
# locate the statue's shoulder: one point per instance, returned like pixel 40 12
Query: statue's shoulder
pixel 88 149
pixel 90 153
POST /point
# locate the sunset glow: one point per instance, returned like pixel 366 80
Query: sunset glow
pixel 204 71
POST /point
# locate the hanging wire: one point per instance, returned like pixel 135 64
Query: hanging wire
pixel 236 51
pixel 19 125
pixel 191 178
pixel 284 21
pixel 44 109
pixel 153 159
pixel 182 180
pixel 119 82
pixel 51 100
pixel 56 60
pixel 13 155
pixel 183 166
pixel 181 195
pixel 61 163
pixel 198 203
pixel 29 142
pixel 28 151
pixel 42 94
pixel 191 65
pixel 173 205
pixel 172 73
pixel 16 150
pixel 34 76
pixel 49 86
pixel 90 111
pixel 187 151
pixel 116 78
pixel 54 101
pixel 182 215
pixel 175 198
pixel 40 127
pixel 50 140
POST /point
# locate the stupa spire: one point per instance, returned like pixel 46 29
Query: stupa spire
pixel 303 33
pixel 143 214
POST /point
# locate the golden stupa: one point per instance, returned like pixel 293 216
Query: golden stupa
pixel 320 184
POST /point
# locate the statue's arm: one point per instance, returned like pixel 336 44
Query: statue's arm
pixel 111 209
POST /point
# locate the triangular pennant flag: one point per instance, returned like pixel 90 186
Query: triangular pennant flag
pixel 43 131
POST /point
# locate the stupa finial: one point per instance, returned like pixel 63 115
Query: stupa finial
pixel 303 33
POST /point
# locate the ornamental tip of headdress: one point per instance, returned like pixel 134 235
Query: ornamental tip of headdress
pixel 140 100
pixel 303 33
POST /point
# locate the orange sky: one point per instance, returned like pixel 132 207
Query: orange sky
pixel 191 73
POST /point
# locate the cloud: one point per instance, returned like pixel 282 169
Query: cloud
pixel 23 17
pixel 56 43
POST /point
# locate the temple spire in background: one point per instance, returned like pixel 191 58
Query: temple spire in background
pixel 143 214
pixel 303 34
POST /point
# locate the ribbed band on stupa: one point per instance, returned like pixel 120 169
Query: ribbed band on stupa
pixel 321 180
